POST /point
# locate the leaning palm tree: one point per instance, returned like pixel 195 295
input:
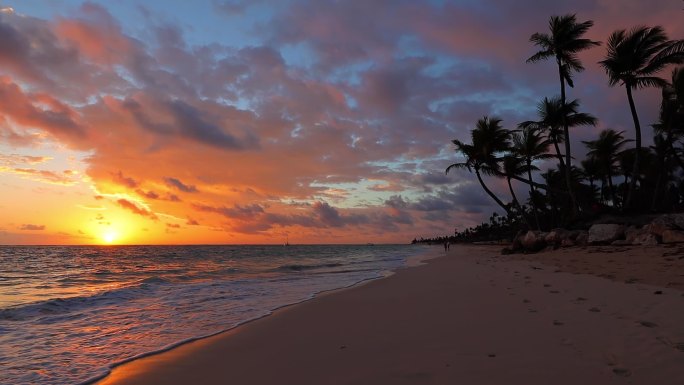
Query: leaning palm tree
pixel 514 166
pixel 530 145
pixel 488 140
pixel 564 43
pixel 605 150
pixel 634 58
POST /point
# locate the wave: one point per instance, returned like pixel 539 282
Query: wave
pixel 57 306
pixel 308 267
pixel 104 372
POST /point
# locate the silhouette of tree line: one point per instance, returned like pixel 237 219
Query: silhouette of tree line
pixel 614 177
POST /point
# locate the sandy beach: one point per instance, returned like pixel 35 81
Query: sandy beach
pixel 582 315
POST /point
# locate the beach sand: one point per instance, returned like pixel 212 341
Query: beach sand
pixel 470 317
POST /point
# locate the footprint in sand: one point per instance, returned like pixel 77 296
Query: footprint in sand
pixel 557 323
pixel 648 324
pixel 624 372
pixel 595 310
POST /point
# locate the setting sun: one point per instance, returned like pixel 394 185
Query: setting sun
pixel 109 237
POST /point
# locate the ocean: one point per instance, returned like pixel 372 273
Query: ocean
pixel 70 313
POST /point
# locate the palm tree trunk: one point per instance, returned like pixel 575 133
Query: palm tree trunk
pixel 658 187
pixel 566 132
pixel 534 205
pixel 490 193
pixel 538 185
pixel 610 186
pixel 675 156
pixel 559 155
pixel 517 203
pixel 637 146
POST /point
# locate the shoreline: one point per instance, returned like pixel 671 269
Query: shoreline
pixel 444 342
pixel 416 260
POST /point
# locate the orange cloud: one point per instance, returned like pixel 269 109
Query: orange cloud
pixel 128 205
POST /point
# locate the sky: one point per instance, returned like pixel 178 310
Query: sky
pixel 241 122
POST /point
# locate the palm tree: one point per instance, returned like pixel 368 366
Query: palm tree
pixel 531 146
pixel 564 43
pixel 488 139
pixel 663 155
pixel 605 150
pixel 513 165
pixel 634 58
pixel 553 115
pixel 671 118
pixel 592 170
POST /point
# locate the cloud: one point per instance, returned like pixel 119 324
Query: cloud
pixel 126 181
pixel 316 123
pixel 30 227
pixel 330 216
pixel 173 182
pixel 136 209
pixel 45 176
pixel 14 159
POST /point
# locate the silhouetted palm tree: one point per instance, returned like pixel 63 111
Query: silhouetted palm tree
pixel 514 165
pixel 552 118
pixel 531 146
pixel 671 118
pixel 563 43
pixel 662 151
pixel 634 58
pixel 591 170
pixel 605 150
pixel 488 140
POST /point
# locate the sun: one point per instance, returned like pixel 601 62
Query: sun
pixel 109 236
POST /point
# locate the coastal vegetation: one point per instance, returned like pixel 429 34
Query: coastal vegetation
pixel 618 174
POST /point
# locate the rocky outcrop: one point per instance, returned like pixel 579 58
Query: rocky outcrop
pixel 664 223
pixel 672 236
pixel 668 228
pixel 533 240
pixel 605 233
pixel 645 239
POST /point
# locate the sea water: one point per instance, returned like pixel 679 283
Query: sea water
pixel 70 313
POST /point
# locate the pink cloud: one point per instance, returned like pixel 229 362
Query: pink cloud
pixel 256 142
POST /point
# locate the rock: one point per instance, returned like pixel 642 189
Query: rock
pixel 631 233
pixel 567 242
pixel 516 245
pixel 673 236
pixel 582 238
pixel 533 240
pixel 645 238
pixel 555 236
pixel 605 233
pixel 573 234
pixel 666 222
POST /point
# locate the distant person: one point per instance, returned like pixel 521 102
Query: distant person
pixel 446 246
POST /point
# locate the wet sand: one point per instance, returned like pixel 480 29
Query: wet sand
pixel 470 317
